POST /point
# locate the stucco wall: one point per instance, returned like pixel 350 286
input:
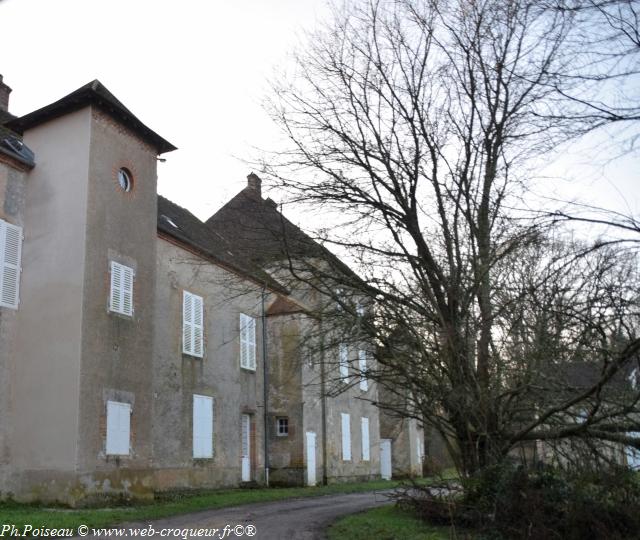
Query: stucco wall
pixel 45 366
pixel 407 439
pixel 358 404
pixel 296 391
pixel 12 198
pixel 176 377
pixel 117 351
pixel 286 453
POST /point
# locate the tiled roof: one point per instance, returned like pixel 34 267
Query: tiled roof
pixel 93 93
pixel 179 223
pixel 261 235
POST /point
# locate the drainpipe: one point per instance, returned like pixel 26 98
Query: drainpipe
pixel 265 387
pixel 323 408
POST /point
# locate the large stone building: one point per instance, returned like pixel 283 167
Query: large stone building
pixel 135 339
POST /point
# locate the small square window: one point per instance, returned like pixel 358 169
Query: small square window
pixel 282 425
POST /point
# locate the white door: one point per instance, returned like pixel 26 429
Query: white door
pixel 385 459
pixel 311 458
pixel 246 447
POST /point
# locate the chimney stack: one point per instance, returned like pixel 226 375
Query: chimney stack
pixel 255 184
pixel 4 96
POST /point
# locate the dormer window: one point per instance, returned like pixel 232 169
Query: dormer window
pixel 125 180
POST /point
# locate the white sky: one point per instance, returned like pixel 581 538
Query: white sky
pixel 196 72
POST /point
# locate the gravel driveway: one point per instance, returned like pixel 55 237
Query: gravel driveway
pixel 293 519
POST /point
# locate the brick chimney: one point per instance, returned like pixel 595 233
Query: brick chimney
pixel 4 96
pixel 255 184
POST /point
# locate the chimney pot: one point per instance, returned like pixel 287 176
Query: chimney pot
pixel 255 184
pixel 4 96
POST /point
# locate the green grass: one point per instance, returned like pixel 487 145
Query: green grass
pixel 167 504
pixel 386 523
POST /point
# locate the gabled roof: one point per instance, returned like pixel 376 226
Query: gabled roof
pixel 179 223
pixel 93 93
pixel 261 235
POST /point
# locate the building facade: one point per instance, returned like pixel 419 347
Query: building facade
pixel 140 348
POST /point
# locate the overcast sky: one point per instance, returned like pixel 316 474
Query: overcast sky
pixel 196 72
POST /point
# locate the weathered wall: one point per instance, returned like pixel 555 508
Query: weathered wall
pixel 45 368
pixel 12 198
pixel 316 348
pixel 117 351
pixel 407 439
pixel 296 391
pixel 358 404
pixel 176 377
pixel 405 453
pixel 287 460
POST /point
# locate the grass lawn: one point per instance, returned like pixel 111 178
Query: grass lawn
pixel 168 504
pixel 386 523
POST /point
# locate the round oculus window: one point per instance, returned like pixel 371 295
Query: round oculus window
pixel 124 180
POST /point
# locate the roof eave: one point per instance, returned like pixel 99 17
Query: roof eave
pixel 81 98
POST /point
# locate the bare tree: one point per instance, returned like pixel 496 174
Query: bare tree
pixel 413 125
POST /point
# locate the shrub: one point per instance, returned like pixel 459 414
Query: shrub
pixel 545 503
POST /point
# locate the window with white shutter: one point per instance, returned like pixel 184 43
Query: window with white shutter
pixel 10 257
pixel 346 437
pixel 364 424
pixel 339 298
pixel 202 426
pixel 362 367
pixel 247 342
pixel 121 297
pixel 118 428
pixel 344 361
pixel 192 324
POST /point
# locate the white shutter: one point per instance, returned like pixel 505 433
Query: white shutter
pixel 192 324
pixel 202 426
pixel 118 428
pixel 197 326
pixel 187 323
pixel 243 341
pixel 247 342
pixel 344 361
pixel 365 438
pixel 346 437
pixel 10 258
pixel 127 290
pixel 339 298
pixel 362 367
pixel 251 340
pixel 121 296
pixel 115 298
